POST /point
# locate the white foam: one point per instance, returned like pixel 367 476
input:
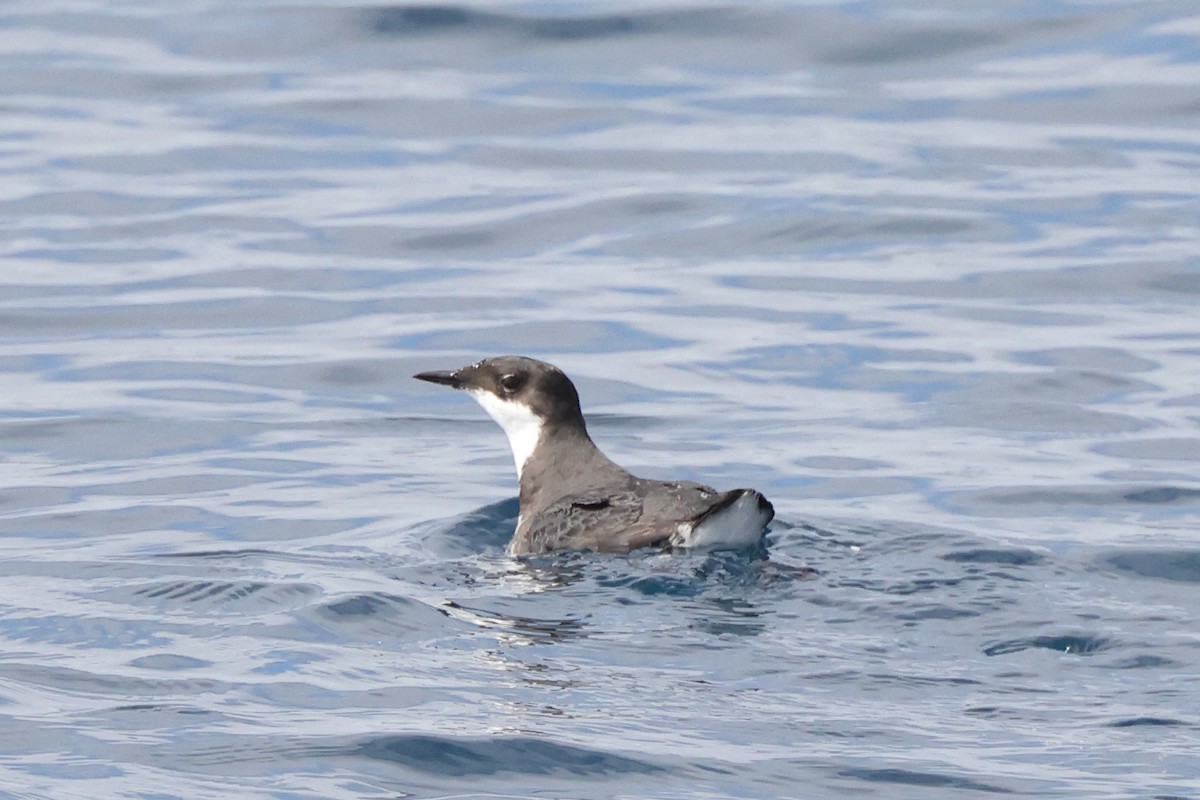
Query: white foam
pixel 520 424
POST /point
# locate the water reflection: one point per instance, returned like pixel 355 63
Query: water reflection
pixel 926 274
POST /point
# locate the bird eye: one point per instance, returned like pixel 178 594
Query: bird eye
pixel 512 382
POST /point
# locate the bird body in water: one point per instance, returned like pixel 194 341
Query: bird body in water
pixel 572 496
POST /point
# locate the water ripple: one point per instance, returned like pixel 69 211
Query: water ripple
pixel 927 276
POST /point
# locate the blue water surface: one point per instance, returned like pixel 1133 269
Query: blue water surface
pixel 925 273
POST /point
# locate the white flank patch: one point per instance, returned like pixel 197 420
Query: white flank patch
pixel 520 424
pixel 734 527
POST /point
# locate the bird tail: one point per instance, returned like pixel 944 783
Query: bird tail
pixel 736 520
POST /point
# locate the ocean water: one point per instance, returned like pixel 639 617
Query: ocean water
pixel 925 273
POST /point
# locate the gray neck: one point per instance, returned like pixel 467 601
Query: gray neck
pixel 566 461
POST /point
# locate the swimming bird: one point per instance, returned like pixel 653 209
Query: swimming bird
pixel 572 496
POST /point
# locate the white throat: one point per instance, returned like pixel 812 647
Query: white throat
pixel 520 424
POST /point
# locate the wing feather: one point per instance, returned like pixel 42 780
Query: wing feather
pixel 644 514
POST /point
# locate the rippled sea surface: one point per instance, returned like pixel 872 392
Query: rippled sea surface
pixel 926 273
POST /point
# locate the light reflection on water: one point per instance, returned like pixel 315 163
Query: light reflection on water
pixel 924 274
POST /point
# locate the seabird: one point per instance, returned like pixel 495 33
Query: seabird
pixel 572 496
